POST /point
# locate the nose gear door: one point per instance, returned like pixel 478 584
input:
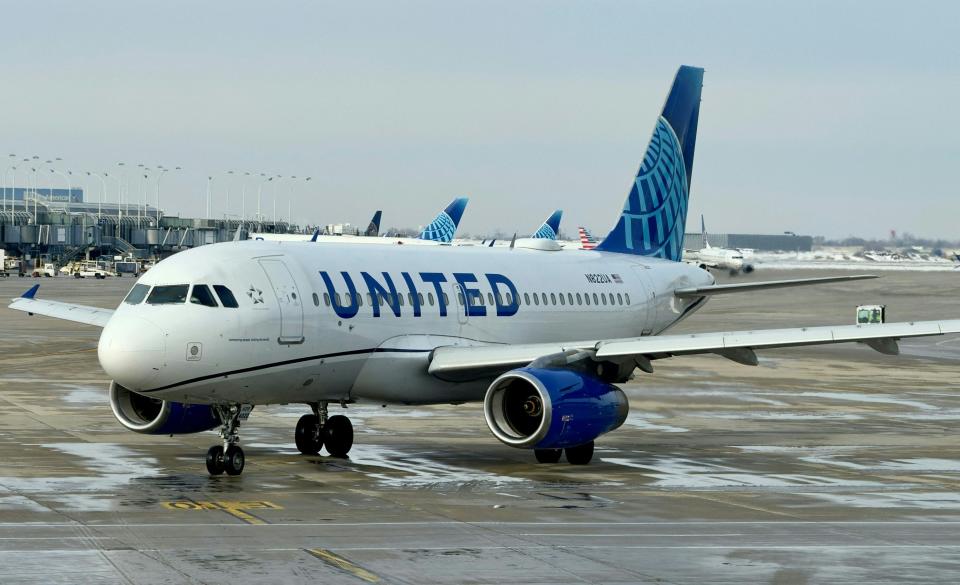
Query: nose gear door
pixel 288 298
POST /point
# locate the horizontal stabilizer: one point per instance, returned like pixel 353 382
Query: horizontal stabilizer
pixel 721 289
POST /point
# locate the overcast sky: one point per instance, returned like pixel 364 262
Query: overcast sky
pixel 831 118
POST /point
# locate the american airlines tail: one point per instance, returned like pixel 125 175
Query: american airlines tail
pixel 444 226
pixel 550 228
pixel 587 241
pixel 655 212
pixel 703 233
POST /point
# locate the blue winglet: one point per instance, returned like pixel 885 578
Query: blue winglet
pixel 31 293
pixel 316 234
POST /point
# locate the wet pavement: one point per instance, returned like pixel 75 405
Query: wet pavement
pixel 829 464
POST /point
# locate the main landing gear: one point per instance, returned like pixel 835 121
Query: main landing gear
pixel 317 430
pixel 579 455
pixel 229 457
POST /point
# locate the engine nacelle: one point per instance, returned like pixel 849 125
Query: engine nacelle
pixel 150 416
pixel 541 408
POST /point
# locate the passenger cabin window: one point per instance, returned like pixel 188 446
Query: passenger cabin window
pixel 175 294
pixel 316 300
pixel 226 297
pixel 137 294
pixel 201 295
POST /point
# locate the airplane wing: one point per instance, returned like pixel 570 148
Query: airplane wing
pixel 68 311
pixel 461 363
pixel 719 289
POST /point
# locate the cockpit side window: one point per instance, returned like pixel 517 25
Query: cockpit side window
pixel 201 295
pixel 226 297
pixel 174 294
pixel 137 294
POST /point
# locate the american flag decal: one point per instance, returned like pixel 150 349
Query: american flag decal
pixel 616 278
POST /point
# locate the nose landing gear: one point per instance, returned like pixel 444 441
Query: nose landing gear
pixel 229 457
pixel 314 431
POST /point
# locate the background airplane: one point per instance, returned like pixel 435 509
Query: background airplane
pixel 728 259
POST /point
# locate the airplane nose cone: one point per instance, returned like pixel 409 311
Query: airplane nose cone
pixel 131 351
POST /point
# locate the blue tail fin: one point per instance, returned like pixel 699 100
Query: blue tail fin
pixel 655 213
pixel 373 230
pixel 444 226
pixel 550 228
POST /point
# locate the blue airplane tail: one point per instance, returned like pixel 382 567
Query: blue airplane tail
pixel 550 228
pixel 444 226
pixel 655 213
pixel 373 230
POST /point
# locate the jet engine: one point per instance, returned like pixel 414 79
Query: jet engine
pixel 544 408
pixel 150 416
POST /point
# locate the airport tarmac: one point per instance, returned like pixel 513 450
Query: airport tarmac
pixel 830 464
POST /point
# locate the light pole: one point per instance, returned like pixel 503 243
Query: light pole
pixel 275 187
pixel 160 176
pixel 103 191
pixel 65 178
pixel 226 210
pixel 13 162
pixel 796 241
pixel 260 196
pixel 243 197
pixel 209 187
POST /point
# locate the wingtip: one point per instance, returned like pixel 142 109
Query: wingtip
pixel 31 293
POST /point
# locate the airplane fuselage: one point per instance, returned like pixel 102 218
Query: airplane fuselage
pixel 331 322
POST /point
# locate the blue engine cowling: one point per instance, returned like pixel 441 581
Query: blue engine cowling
pixel 150 416
pixel 541 408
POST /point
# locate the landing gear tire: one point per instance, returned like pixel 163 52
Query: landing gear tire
pixel 308 434
pixel 337 435
pixel 233 460
pixel 215 460
pixel 547 455
pixel 580 455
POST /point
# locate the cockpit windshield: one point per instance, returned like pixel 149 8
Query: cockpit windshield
pixel 201 295
pixel 137 294
pixel 174 294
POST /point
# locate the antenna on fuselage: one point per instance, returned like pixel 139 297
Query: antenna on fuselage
pixel 513 240
pixel 236 235
pixel 316 234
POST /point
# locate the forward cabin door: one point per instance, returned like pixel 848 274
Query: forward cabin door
pixel 288 298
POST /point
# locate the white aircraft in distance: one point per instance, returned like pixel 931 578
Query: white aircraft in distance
pixel 548 230
pixel 719 258
pixel 540 337
pixel 440 231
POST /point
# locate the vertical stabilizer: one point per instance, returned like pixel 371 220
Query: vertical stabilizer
pixel 655 212
pixel 444 226
pixel 550 228
pixel 373 230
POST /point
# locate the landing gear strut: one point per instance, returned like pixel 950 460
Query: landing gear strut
pixel 229 457
pixel 314 431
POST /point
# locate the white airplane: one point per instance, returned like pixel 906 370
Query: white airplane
pixel 548 230
pixel 541 338
pixel 439 231
pixel 719 258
